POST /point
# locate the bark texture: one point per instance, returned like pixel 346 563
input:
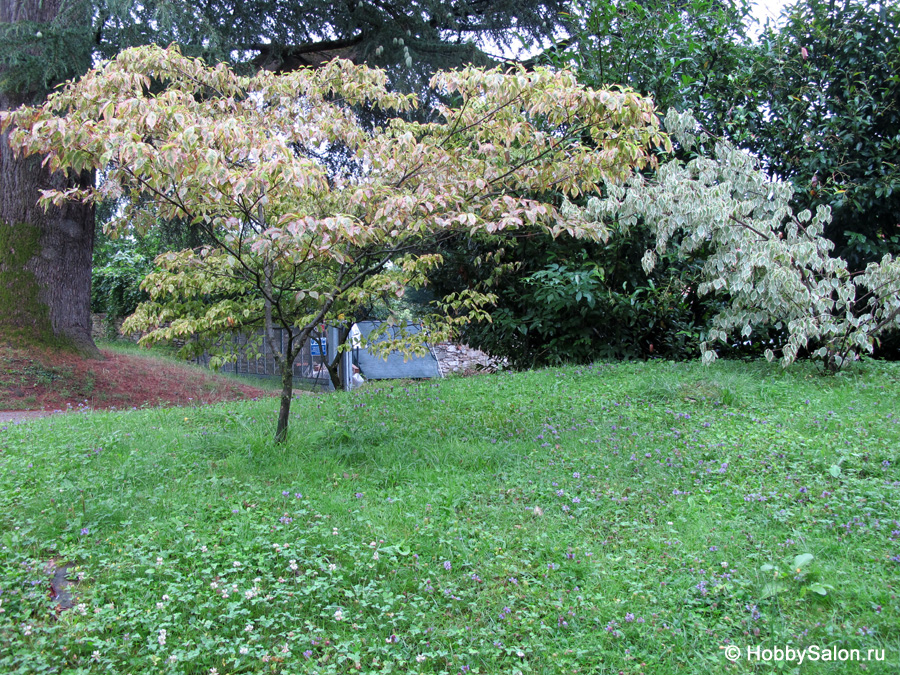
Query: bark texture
pixel 45 256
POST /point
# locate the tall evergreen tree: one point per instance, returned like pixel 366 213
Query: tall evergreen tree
pixel 45 264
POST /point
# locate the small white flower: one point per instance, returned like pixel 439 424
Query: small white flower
pixel 95 655
pixel 158 560
pixel 339 615
pixel 248 628
pixel 293 565
pixel 165 598
pixel 213 585
pixel 203 549
pixel 27 630
pixel 244 650
pixel 724 564
pixel 421 657
pixel 236 563
pixel 332 567
pixel 161 638
pixel 213 671
pixel 375 555
pixel 173 658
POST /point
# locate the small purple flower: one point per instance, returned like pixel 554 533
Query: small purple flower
pixel 285 519
pixel 447 565
pixel 85 531
pixel 298 496
pixel 286 493
pixel 629 617
pixel 307 654
pixel 358 495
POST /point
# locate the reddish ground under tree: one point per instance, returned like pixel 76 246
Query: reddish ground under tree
pixel 44 380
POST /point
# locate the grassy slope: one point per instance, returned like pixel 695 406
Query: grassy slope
pixel 629 518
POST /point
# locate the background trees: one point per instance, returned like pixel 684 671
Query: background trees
pixel 822 110
pixel 816 99
pixel 45 281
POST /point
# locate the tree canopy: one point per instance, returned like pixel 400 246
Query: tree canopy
pixel 45 42
pixel 297 243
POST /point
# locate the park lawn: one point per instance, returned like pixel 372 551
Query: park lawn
pixel 615 518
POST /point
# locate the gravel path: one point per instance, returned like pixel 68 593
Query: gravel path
pixel 21 416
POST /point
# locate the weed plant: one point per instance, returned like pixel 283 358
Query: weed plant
pixel 631 518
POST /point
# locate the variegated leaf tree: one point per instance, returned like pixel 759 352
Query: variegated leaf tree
pixel 297 243
pixel 774 266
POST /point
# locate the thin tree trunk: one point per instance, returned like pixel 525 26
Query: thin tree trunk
pixel 45 256
pixel 287 393
pixel 334 367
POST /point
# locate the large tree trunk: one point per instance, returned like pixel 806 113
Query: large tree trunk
pixel 45 256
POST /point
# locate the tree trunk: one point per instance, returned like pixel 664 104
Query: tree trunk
pixel 287 393
pixel 45 256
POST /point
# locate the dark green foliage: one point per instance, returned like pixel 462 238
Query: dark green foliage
pixel 686 55
pixel 120 264
pixel 119 268
pixel 563 301
pixel 36 55
pixel 824 113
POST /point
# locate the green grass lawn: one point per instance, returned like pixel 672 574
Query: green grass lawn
pixel 628 518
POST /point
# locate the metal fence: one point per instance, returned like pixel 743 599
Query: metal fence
pixel 309 366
